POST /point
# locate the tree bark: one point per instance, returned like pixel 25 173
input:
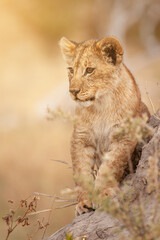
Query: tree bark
pixel 98 225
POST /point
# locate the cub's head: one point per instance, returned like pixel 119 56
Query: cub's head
pixel 92 67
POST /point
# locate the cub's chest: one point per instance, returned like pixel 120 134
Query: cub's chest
pixel 101 131
pixel 97 126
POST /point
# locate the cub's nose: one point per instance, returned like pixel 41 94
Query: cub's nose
pixel 74 91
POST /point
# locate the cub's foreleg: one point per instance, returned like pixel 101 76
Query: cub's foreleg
pixel 83 162
pixel 114 162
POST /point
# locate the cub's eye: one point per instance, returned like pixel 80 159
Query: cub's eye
pixel 89 70
pixel 71 70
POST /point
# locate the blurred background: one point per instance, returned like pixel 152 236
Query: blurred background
pixel 33 77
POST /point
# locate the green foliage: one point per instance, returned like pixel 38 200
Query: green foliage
pixel 69 236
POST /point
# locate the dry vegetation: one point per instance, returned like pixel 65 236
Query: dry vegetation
pixel 26 214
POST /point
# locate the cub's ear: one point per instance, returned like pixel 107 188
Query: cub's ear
pixel 111 48
pixel 68 49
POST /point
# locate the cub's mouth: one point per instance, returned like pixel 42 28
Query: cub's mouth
pixel 84 100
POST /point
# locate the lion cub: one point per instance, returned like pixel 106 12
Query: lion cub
pixel 105 91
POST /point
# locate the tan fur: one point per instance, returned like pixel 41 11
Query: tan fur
pixel 103 97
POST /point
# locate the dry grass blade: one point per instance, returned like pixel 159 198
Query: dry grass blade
pixel 42 194
pixel 65 200
pixel 156 115
pixel 38 212
pixel 150 100
pixel 67 205
pixel 49 216
pixel 62 161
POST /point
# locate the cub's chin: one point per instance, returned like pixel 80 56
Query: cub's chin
pixel 85 103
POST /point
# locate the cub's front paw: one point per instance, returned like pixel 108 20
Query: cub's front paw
pixel 83 206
